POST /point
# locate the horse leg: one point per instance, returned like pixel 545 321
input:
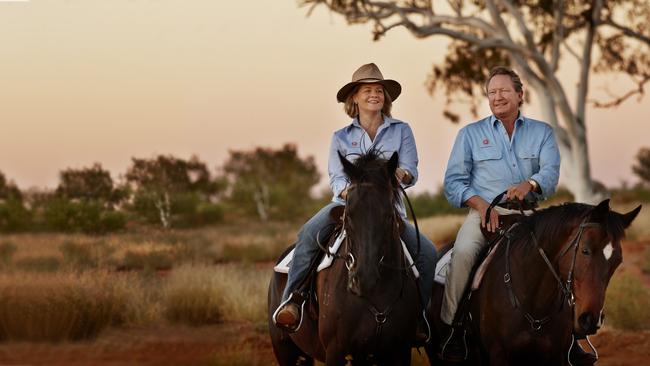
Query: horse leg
pixel 286 351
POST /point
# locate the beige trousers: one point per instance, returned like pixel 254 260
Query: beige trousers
pixel 467 248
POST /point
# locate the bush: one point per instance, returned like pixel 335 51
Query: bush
pixel 7 250
pixel 86 216
pixel 14 216
pixel 427 204
pixel 60 307
pixel 627 304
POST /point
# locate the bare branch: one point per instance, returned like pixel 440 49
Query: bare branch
pixel 627 31
pixel 585 66
pixel 640 91
pixel 571 51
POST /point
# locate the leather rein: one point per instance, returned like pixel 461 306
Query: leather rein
pixel 566 286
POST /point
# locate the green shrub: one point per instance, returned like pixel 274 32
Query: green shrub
pixel 14 216
pixel 627 304
pixel 91 217
pixel 38 264
pixel 427 204
pixel 7 250
pixel 247 253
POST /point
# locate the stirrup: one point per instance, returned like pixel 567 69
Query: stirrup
pixel 451 334
pixel 427 325
pixel 282 304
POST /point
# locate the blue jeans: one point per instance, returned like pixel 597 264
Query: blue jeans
pixel 322 225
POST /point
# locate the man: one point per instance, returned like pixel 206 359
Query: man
pixel 503 152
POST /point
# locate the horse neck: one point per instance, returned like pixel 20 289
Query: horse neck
pixel 538 286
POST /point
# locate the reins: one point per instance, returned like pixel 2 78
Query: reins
pixel 566 287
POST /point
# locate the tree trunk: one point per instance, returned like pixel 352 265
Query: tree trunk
pixel 261 197
pixel 575 168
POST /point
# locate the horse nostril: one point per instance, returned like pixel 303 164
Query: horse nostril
pixel 587 323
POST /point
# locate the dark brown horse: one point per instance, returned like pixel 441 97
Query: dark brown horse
pixel 546 283
pixel 367 300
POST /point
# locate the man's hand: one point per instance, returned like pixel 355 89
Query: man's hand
pixel 403 176
pixel 481 206
pixel 344 193
pixel 519 191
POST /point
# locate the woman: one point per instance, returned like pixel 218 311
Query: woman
pixel 368 100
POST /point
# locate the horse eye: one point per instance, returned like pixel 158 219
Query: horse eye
pixel 585 251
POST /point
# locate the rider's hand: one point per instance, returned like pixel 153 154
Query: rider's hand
pixel 344 194
pixel 403 176
pixel 481 206
pixel 519 191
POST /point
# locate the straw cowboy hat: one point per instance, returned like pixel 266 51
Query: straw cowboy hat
pixel 369 73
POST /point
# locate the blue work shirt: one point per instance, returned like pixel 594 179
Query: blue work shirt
pixel 485 161
pixel 392 136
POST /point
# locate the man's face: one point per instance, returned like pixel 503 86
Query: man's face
pixel 504 100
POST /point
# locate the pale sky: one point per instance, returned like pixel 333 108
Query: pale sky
pixel 84 81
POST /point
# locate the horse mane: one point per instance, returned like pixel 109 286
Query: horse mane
pixel 551 222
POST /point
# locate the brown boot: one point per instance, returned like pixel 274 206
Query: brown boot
pixel 578 356
pixel 288 317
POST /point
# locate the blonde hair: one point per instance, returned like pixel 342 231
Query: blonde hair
pixel 352 110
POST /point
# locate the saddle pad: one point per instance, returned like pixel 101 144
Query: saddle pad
pixel 443 266
pixel 285 263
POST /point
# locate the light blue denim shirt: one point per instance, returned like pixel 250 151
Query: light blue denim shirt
pixel 393 135
pixel 485 161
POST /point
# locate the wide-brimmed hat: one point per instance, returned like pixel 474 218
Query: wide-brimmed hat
pixel 369 73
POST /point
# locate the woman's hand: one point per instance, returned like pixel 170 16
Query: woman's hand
pixel 403 176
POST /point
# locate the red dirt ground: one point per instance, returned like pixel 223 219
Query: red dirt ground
pixel 233 344
pixel 242 344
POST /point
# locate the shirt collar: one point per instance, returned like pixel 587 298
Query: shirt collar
pixel 493 119
pixel 387 121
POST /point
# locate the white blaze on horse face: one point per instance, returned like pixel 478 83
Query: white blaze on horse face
pixel 607 251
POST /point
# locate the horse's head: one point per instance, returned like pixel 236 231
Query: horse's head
pixel 370 217
pixel 596 246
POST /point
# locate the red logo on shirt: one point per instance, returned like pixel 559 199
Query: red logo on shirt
pixel 486 141
pixel 354 143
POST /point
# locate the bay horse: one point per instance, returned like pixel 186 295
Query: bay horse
pixel 546 284
pixel 367 301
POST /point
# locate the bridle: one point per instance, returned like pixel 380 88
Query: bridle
pixel 381 316
pixel 566 286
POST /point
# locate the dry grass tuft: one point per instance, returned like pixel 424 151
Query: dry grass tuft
pixel 627 304
pixel 63 306
pixel 201 295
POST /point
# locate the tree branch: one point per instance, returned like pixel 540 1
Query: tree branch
pixel 627 31
pixel 617 101
pixel 558 34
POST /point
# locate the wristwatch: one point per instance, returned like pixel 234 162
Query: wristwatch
pixel 534 184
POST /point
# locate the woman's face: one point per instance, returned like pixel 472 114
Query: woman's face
pixel 370 98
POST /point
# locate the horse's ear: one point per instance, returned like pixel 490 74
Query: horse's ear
pixel 350 169
pixel 392 163
pixel 630 216
pixel 601 211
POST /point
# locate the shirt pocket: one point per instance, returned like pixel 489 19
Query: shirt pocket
pixel 488 165
pixel 529 159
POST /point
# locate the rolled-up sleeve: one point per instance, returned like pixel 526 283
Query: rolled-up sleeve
pixel 549 165
pixel 458 174
pixel 408 155
pixel 338 179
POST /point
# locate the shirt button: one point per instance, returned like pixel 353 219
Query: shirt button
pixel 514 165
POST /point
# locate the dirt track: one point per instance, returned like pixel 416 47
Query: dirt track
pixel 233 344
